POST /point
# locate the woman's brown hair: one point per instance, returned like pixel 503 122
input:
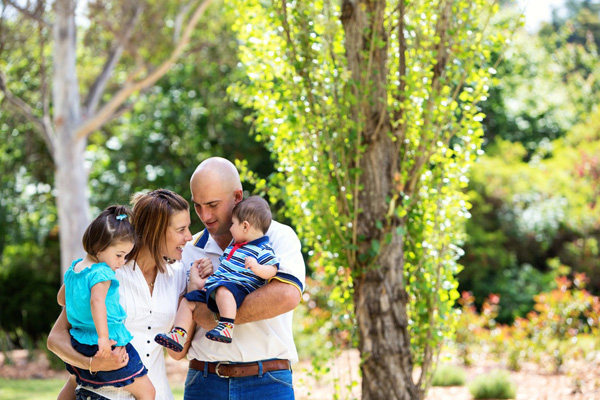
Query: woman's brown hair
pixel 152 212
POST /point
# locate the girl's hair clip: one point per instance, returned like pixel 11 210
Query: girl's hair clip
pixel 121 217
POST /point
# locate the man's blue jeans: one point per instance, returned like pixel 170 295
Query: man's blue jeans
pixel 276 385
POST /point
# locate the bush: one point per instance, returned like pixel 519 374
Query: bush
pixel 30 279
pixel 495 385
pixel 449 375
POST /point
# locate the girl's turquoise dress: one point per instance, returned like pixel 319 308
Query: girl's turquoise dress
pixel 78 288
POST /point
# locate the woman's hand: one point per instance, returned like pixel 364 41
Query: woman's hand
pixel 117 358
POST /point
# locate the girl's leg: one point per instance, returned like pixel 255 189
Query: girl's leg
pixel 68 390
pixel 142 388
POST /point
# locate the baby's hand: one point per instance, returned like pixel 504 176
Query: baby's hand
pixel 205 267
pixel 104 347
pixel 251 263
pixel 200 271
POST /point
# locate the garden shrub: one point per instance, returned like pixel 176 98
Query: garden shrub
pixel 474 327
pixel 30 279
pixel 495 385
pixel 449 375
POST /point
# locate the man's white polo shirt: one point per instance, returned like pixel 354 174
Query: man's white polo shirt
pixel 260 340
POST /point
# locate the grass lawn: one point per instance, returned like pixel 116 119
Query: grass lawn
pixel 41 389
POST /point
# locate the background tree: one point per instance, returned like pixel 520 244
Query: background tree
pixel 527 221
pixel 185 117
pixel 370 111
pixel 141 41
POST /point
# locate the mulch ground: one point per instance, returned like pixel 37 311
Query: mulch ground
pixel 577 380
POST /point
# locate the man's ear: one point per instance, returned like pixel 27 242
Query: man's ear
pixel 238 195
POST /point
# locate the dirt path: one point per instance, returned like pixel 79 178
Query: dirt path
pixel 581 382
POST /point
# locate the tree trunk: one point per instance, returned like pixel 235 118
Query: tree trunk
pixel 380 301
pixel 73 203
pixel 380 296
pixel 71 176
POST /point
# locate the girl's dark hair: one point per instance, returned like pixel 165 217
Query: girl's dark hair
pixel 152 212
pixel 256 211
pixel 111 226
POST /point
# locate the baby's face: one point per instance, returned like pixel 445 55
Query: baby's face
pixel 238 230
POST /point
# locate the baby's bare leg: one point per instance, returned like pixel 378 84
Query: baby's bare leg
pixel 142 388
pixel 184 317
pixel 226 303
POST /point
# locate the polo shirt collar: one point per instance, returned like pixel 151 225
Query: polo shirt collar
pixel 202 239
pixel 207 243
pixel 260 241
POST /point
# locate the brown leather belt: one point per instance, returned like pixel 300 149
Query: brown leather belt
pixel 239 370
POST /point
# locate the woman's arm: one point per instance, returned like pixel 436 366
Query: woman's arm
pixel 59 342
pixel 98 307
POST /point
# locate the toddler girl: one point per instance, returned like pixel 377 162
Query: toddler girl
pixel 91 296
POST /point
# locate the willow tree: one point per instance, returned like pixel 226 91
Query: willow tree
pixel 370 111
pixel 82 84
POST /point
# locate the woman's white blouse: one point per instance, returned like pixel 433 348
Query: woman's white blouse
pixel 148 315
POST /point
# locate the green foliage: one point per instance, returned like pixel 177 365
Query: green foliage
pixel 560 316
pixel 311 111
pixel 449 375
pixel 495 385
pixel 30 278
pixel 184 119
pixel 554 333
pixel 526 214
pixel 157 143
pixel 547 82
pixel 476 328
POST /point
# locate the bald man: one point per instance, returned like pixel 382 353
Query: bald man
pixel 258 362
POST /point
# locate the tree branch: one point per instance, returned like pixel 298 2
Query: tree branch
pixel 179 20
pixel 107 111
pixel 33 15
pixel 99 85
pixel 42 125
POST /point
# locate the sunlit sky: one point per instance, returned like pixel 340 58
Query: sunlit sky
pixel 537 11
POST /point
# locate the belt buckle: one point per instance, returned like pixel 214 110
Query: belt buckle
pixel 217 369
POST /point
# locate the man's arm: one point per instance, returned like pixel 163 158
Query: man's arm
pixel 269 301
pixel 59 342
